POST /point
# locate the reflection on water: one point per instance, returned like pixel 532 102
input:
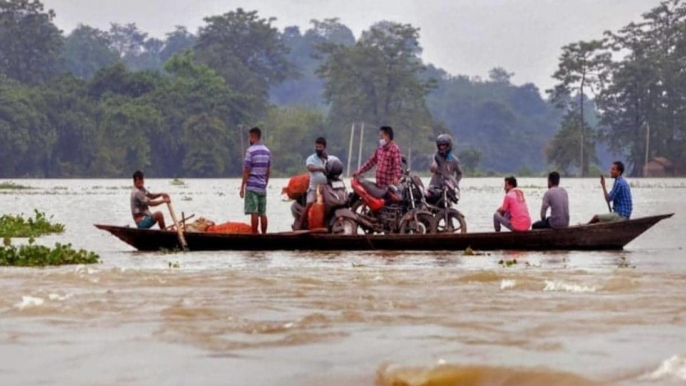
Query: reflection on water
pixel 343 318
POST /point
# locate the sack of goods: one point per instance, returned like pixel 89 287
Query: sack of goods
pixel 315 217
pixel 297 186
pixel 199 225
pixel 231 227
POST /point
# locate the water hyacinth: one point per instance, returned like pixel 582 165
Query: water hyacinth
pixel 40 256
pixel 18 226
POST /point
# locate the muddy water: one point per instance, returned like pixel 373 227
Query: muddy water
pixel 304 318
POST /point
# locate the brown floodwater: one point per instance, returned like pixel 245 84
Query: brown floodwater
pixel 343 318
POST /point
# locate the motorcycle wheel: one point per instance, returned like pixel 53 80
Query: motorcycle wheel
pixel 425 224
pixel 360 208
pixel 453 222
pixel 344 226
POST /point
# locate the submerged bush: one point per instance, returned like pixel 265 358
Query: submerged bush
pixel 40 256
pixel 9 185
pixel 18 226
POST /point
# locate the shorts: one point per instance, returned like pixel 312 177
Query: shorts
pixel 255 203
pixel 610 217
pixel 146 223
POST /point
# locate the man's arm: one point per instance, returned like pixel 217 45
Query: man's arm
pixel 505 207
pixel 545 205
pixel 458 171
pixel 397 164
pixel 311 167
pixel 246 174
pixel 368 165
pixel 269 173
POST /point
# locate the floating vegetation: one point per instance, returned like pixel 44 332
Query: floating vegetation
pixel 40 256
pixel 507 262
pixel 18 226
pixel 624 263
pixel 175 265
pixel 470 252
pixel 186 198
pixel 9 185
pixel 177 182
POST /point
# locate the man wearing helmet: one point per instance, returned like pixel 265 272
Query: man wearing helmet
pixel 445 164
pixel 316 165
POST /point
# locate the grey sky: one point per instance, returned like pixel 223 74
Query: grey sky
pixel 462 36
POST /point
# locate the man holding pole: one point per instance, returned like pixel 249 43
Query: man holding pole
pixel 142 199
pixel 620 196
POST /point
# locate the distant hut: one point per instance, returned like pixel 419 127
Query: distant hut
pixel 658 167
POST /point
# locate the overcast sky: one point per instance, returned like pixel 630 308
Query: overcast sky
pixel 462 36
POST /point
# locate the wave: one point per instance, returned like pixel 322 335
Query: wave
pixel 673 368
pixel 557 286
pixel 455 375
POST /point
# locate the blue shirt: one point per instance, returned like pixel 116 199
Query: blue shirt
pixel 316 178
pixel 258 160
pixel 620 195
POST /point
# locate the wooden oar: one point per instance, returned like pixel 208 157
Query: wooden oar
pixel 179 232
pixel 602 180
pixel 183 220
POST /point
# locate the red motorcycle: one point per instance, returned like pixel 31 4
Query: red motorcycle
pixel 390 209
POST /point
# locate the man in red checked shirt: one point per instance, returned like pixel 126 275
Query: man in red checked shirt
pixel 386 158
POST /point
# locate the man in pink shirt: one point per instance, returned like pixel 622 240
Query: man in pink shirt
pixel 514 214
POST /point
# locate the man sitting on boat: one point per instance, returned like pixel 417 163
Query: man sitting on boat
pixel 316 165
pixel 142 199
pixel 620 196
pixel 557 200
pixel 513 214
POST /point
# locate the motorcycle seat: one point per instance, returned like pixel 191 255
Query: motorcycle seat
pixel 372 189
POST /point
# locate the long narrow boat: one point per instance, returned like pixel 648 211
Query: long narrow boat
pixel 607 236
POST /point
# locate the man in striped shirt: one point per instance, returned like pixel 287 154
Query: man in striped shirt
pixel 256 170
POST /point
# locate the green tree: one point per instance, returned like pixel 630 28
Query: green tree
pixel 562 151
pixel 176 42
pixel 30 43
pixel 377 81
pixel 87 50
pixel 246 51
pixel 206 139
pixel 581 69
pixel 469 160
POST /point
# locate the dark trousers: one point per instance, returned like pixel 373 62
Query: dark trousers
pixel 543 224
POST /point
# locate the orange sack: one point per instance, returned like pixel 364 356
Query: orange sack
pixel 297 186
pixel 315 217
pixel 231 227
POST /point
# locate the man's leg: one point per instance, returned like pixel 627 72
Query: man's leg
pixel 251 207
pixel 158 217
pixel 501 220
pixel 254 222
pixel 264 223
pixel 311 197
pixel 262 211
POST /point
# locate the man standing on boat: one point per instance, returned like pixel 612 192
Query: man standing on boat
pixel 513 214
pixel 557 200
pixel 256 171
pixel 620 196
pixel 386 158
pixel 142 200
pixel 316 165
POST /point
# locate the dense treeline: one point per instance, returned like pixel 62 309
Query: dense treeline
pixel 636 75
pixel 94 103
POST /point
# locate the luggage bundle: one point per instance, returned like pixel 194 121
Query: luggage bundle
pixel 297 186
pixel 204 225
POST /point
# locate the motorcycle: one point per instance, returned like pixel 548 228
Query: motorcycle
pixel 338 217
pixel 440 201
pixel 392 209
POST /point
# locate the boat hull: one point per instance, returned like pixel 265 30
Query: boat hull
pixel 608 236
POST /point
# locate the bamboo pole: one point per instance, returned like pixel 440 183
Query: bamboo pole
pixel 350 149
pixel 359 154
pixel 179 232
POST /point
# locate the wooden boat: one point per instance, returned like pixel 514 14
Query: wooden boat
pixel 606 236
